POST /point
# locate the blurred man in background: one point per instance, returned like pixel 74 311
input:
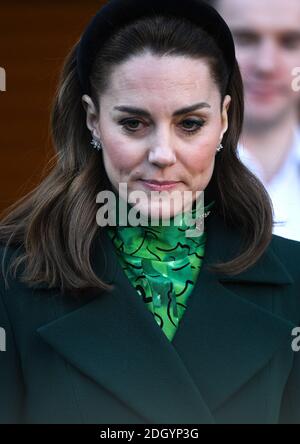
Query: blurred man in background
pixel 267 38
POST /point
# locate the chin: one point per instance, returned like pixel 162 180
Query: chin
pixel 160 211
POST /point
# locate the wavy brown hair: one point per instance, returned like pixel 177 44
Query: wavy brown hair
pixel 54 225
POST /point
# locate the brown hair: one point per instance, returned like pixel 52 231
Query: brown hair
pixel 55 225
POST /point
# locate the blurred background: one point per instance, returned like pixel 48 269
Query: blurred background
pixel 35 37
pixel 267 41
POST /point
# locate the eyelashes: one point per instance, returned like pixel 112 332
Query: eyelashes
pixel 195 123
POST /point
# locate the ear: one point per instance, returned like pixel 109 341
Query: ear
pixel 225 108
pixel 92 117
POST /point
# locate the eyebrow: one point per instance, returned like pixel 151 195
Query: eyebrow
pixel 179 112
pixel 249 31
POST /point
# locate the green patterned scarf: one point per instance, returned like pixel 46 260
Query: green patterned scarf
pixel 162 264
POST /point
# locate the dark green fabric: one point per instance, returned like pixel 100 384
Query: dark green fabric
pixel 162 263
pixel 101 358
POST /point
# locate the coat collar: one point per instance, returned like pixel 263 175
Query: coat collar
pixel 116 342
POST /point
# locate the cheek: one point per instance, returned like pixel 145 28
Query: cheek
pixel 246 60
pixel 202 159
pixel 119 155
pixel 291 60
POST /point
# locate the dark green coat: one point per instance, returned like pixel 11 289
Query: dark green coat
pixel 104 359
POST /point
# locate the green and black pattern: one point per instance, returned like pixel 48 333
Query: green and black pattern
pixel 162 263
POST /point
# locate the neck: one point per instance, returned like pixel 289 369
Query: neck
pixel 270 144
pixel 167 235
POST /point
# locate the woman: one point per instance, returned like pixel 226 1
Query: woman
pixel 144 324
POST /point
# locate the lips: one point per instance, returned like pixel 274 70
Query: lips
pixel 157 185
pixel 159 182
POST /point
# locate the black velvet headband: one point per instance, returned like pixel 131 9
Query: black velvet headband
pixel 117 13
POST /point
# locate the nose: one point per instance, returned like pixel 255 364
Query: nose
pixel 161 152
pixel 267 57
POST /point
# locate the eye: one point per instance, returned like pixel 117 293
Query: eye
pixel 246 38
pixel 291 41
pixel 129 124
pixel 197 124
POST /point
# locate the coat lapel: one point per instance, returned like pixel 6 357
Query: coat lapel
pixel 116 341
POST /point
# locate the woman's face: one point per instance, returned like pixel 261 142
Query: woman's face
pixel 148 132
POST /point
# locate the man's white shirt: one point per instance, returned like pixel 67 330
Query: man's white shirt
pixel 284 189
